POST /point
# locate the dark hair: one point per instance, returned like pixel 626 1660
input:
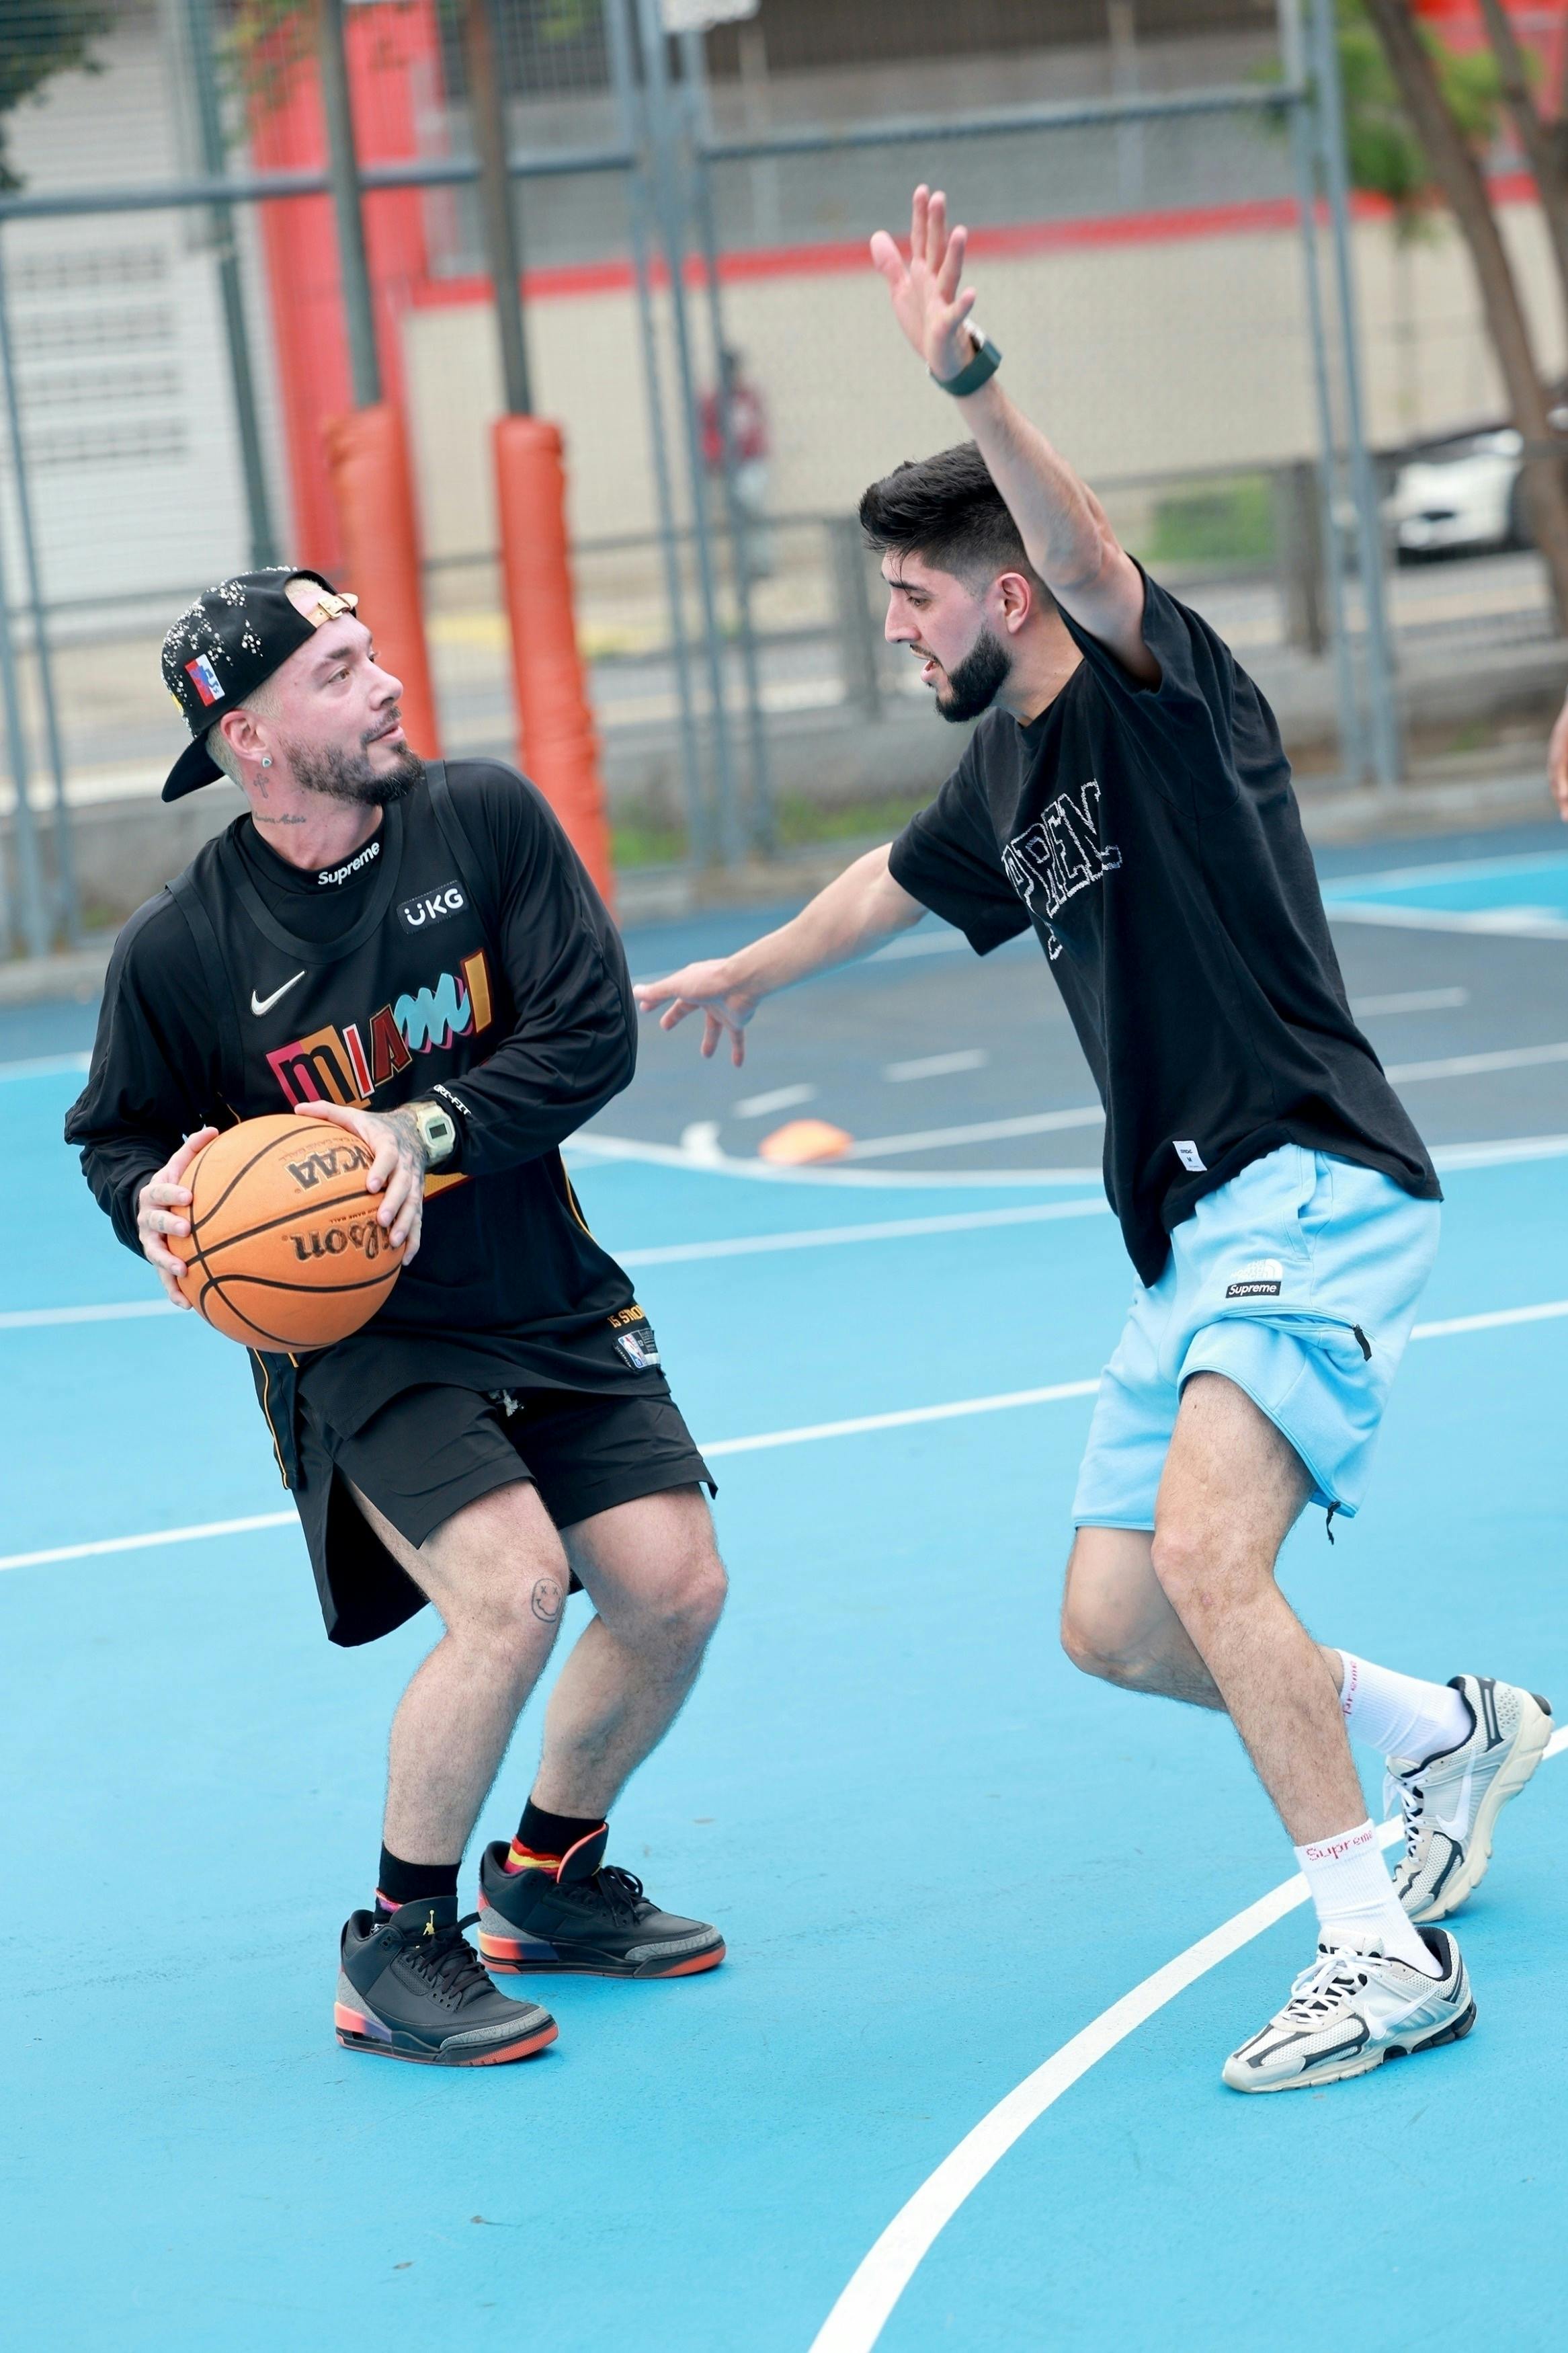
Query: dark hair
pixel 948 510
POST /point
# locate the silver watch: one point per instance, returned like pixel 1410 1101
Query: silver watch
pixel 438 1129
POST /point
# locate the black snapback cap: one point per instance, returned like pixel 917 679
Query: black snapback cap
pixel 223 646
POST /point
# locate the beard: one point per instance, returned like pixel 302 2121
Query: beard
pixel 340 776
pixel 974 685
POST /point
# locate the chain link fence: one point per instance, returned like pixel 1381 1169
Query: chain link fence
pixel 692 212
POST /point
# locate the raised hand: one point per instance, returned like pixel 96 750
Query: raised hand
pixel 710 989
pixel 927 301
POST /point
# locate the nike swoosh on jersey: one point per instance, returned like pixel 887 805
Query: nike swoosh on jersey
pixel 266 1004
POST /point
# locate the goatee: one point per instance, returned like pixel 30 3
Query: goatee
pixel 340 776
pixel 974 685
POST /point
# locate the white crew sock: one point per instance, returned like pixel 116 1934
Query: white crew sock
pixel 1399 1716
pixel 1355 1895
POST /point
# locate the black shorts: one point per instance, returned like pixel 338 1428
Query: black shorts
pixel 430 1450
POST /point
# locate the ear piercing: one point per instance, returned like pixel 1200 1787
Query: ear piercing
pixel 267 759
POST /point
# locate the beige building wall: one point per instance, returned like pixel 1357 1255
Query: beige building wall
pixel 1153 358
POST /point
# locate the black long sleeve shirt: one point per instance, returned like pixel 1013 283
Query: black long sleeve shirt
pixel 509 1285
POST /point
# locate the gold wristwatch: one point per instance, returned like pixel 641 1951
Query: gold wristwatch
pixel 438 1129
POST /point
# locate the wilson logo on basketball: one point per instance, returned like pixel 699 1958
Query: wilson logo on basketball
pixel 364 1236
pixel 341 1160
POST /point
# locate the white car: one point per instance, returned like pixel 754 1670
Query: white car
pixel 1465 497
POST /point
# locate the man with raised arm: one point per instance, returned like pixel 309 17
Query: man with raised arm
pixel 1126 795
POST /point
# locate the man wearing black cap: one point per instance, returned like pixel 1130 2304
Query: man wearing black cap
pixel 414 952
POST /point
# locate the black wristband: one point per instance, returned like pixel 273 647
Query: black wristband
pixel 981 369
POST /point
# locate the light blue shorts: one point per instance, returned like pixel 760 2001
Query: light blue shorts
pixel 1298 1281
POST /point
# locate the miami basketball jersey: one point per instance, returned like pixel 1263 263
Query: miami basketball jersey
pixel 507 1283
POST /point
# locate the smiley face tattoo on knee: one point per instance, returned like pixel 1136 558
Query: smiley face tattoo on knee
pixel 546 1599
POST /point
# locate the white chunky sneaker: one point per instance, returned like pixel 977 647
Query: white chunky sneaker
pixel 1450 1803
pixel 1349 2012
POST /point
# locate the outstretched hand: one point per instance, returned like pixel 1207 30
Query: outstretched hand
pixel 927 301
pixel 708 989
pixel 1557 763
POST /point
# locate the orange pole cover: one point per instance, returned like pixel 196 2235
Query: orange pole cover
pixel 367 459
pixel 556 742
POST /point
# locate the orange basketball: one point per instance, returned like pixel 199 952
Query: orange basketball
pixel 284 1248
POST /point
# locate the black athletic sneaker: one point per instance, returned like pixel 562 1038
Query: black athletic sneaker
pixel 410 1988
pixel 587 1919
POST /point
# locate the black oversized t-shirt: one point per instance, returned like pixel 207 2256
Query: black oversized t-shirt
pixel 1152 837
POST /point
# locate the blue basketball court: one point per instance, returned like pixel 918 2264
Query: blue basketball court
pixel 993 1927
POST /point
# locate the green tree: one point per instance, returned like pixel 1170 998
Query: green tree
pixel 1386 158
pixel 38 38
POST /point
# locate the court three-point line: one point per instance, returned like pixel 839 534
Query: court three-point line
pixel 764 1442
pixel 863 2310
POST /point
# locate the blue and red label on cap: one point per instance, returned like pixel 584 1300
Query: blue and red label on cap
pixel 205 679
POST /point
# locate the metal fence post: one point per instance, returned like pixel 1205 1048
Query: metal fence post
pixel 664 130
pixel 638 208
pixel 27 885
pixel 859 641
pixel 342 170
pixel 762 828
pixel 1352 740
pixel 1388 754
pixel 484 65
pixel 209 122
pixel 66 896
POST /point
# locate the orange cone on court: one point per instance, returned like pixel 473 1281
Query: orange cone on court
pixel 800 1140
pixel 556 742
pixel 367 459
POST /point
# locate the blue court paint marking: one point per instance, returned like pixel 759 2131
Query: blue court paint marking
pixel 767 1440
pixel 863 2310
pixel 1448 873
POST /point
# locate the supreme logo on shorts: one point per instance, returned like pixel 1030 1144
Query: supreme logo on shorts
pixel 432 907
pixel 1261 1279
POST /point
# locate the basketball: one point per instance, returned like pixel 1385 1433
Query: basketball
pixel 284 1250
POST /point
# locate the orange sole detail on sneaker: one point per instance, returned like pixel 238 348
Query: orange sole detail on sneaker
pixel 504 1962
pixel 355 2032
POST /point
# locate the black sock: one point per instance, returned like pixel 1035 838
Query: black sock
pixel 399 1883
pixel 553 1835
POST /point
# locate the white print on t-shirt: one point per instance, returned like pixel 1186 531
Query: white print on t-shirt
pixel 1060 854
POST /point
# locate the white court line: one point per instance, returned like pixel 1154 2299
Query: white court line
pixel 765 1172
pixel 1501 923
pixel 936 1066
pixel 21 1319
pixel 1460 1066
pixel 982 1131
pixel 154 1536
pixel 889 1230
pixel 1409 1000
pixel 764 1442
pixel 43 1066
pixel 780 1099
pixel 910 1415
pixel 862 2311
pixel 1496 1153
pixel 1456 870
